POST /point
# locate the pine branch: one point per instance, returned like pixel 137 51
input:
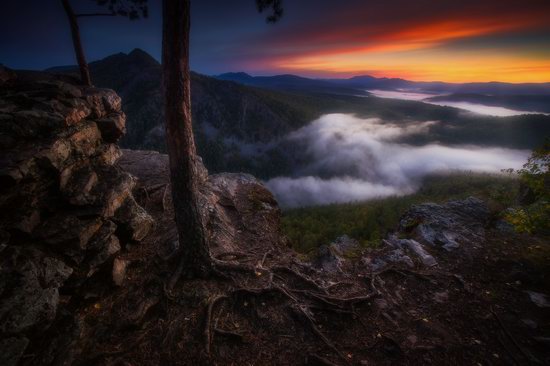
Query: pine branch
pixel 96 15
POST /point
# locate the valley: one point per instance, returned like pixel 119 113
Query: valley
pixel 330 142
pixel 274 182
pixel 245 123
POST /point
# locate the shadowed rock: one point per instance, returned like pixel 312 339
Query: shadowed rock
pixel 133 220
pixel 60 188
pixel 448 225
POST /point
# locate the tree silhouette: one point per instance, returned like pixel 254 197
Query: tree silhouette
pixel 275 6
pixel 185 175
pixel 132 9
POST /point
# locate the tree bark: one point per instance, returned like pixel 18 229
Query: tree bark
pixel 77 44
pixel 184 169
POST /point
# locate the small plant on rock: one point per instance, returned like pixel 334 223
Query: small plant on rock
pixel 533 214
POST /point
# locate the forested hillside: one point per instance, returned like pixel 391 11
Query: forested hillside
pixel 244 128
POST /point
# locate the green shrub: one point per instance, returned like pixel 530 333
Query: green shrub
pixel 534 217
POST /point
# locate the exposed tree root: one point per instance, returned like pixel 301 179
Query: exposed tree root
pixel 513 340
pixel 173 279
pixel 315 359
pixel 164 197
pixel 304 312
pixel 297 298
pixel 301 276
pixel 233 266
pixel 264 258
pixel 228 333
pixel 208 320
pixel 232 254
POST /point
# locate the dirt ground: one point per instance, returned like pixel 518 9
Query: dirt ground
pixel 266 307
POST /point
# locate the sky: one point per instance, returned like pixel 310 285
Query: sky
pixel 446 40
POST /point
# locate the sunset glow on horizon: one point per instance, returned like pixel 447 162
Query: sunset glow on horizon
pixel 420 40
pixel 428 66
pixel 454 42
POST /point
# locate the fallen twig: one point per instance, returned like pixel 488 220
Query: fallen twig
pixel 207 334
pixel 228 333
pixel 314 359
pixel 164 197
pixel 264 257
pixel 510 336
pixel 300 310
pixel 303 277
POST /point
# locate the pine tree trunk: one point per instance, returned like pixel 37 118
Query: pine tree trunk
pixel 77 44
pixel 184 173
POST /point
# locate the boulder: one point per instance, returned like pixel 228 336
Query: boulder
pixel 134 222
pixel 112 127
pixel 448 225
pixel 328 259
pixel 413 247
pixel 119 271
pixel 76 183
pixel 84 140
pixel 378 261
pixel 114 188
pixel 102 101
pixel 99 253
pixel 331 258
pixel 30 296
pixel 68 233
pixel 235 201
pixel 108 154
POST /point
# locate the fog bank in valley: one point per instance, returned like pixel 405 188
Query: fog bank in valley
pixel 478 108
pixel 353 159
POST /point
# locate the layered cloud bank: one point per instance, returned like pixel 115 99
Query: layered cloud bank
pixel 471 107
pixel 355 159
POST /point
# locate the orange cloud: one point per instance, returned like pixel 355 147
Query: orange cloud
pixel 416 45
pixel 428 65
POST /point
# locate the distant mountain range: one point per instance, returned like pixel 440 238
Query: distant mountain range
pixel 525 97
pixel 360 83
pixel 241 122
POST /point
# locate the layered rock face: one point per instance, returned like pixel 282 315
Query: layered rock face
pixel 66 209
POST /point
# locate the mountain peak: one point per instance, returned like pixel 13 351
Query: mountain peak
pixel 140 55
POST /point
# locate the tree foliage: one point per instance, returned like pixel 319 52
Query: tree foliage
pixel 276 7
pixel 132 9
pixel 534 216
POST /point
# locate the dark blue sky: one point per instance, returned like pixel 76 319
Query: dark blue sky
pixel 449 40
pixel 35 33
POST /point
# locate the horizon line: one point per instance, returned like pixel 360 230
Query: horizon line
pixel 274 74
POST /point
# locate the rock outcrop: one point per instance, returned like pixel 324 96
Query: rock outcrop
pixel 237 207
pixel 448 225
pixel 426 232
pixel 331 257
pixel 66 209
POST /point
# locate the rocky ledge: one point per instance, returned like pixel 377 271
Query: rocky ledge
pixel 425 231
pixel 237 207
pixel 66 209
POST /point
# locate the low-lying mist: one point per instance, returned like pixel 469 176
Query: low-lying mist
pixel 354 159
pixel 478 108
